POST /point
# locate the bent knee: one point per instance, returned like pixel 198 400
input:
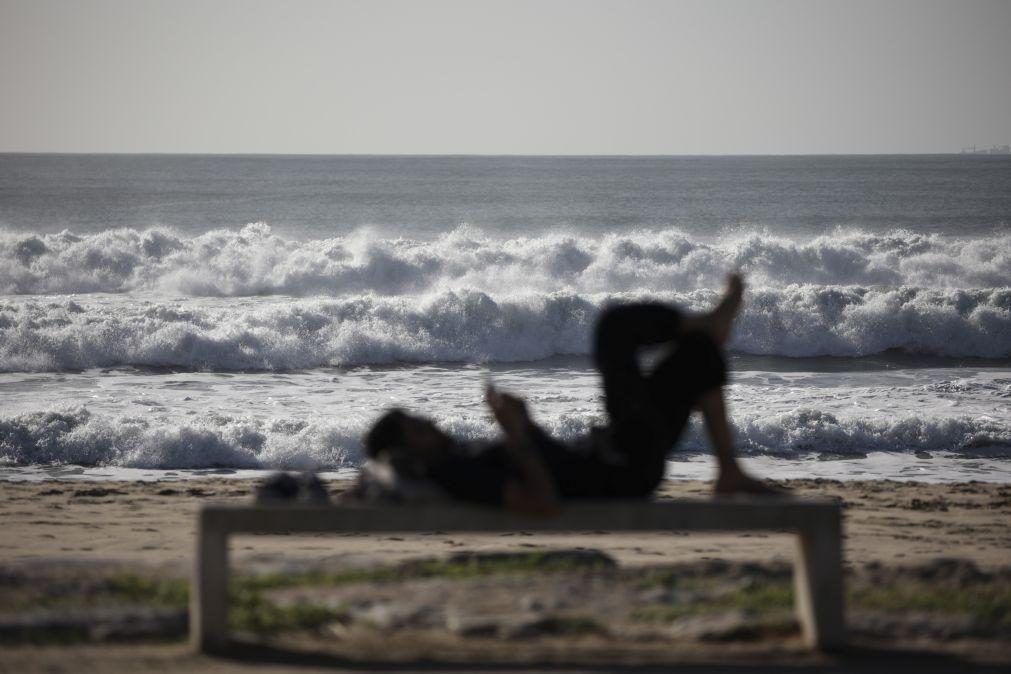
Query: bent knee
pixel 609 335
pixel 619 328
pixel 697 364
pixel 609 323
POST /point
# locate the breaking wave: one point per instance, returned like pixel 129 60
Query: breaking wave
pixel 273 334
pixel 76 436
pixel 254 261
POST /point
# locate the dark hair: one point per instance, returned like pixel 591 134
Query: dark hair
pixel 386 433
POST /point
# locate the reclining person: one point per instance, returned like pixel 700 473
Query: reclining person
pixel 528 471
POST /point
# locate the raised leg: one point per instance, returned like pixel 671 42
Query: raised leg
pixel 818 585
pixel 209 593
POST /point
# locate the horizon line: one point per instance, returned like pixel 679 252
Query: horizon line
pixel 488 155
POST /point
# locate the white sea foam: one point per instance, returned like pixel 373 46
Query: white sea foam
pixel 812 430
pixel 468 326
pixel 76 436
pixel 254 261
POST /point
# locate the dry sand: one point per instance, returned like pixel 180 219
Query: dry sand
pixel 153 523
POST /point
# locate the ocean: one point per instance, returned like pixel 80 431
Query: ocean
pixel 174 316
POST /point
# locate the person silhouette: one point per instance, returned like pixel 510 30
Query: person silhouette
pixel 529 472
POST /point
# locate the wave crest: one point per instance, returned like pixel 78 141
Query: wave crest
pixel 254 261
pixel 265 334
pixel 76 436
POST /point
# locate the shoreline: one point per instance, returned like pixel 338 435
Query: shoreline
pixel 913 467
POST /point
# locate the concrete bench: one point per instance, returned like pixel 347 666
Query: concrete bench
pixel 818 525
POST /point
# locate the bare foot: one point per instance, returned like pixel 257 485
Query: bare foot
pixel 721 319
pixel 741 483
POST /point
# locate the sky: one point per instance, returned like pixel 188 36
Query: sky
pixel 504 77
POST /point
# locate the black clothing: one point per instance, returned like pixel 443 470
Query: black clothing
pixel 647 413
pixel 475 472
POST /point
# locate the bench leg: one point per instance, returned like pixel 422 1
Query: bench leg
pixel 818 586
pixel 209 593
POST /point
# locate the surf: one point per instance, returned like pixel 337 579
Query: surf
pixel 254 261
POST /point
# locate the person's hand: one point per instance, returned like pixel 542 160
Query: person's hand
pixel 535 493
pixel 510 411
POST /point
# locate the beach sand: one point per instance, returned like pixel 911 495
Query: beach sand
pixel 153 523
pixel 55 527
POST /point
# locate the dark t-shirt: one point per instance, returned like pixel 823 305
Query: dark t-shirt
pixel 474 472
pixel 478 472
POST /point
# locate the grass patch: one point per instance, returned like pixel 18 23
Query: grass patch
pixel 761 598
pixel 668 578
pixel 116 607
pixel 249 611
pixel 113 590
pixel 161 592
pixel 252 610
pixel 119 588
pixel 274 581
pixel 455 568
pixel 986 605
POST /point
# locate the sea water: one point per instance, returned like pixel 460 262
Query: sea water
pixel 169 316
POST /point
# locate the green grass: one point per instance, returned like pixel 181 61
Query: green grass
pixel 161 592
pixel 253 611
pixel 249 611
pixel 761 598
pixel 986 605
pixel 661 578
pixel 116 589
pixel 453 569
pixel 132 588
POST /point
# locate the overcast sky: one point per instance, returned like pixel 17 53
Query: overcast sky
pixel 504 77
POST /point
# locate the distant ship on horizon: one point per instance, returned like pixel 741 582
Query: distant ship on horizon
pixel 1002 149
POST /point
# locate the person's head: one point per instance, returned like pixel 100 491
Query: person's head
pixel 402 436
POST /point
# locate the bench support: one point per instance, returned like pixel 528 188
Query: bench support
pixel 818 585
pixel 209 591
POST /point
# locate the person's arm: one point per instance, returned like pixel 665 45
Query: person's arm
pixel 535 492
pixel 730 477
